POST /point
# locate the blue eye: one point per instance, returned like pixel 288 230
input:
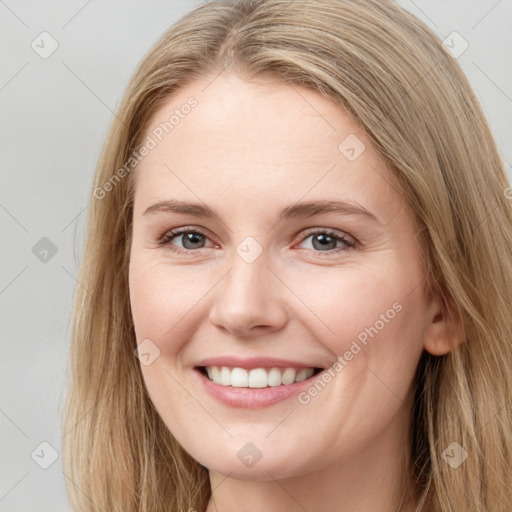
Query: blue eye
pixel 193 240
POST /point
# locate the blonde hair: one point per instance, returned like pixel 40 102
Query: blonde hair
pixel 391 74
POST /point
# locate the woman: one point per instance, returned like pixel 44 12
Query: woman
pixel 225 355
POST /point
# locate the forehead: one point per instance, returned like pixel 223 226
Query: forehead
pixel 257 140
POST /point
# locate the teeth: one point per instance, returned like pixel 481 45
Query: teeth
pixel 274 377
pixel 225 376
pixel 288 376
pixel 303 374
pixel 257 377
pixel 239 378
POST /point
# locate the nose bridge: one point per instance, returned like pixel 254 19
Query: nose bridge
pixel 249 276
pixel 249 295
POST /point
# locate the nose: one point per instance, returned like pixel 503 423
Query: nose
pixel 250 300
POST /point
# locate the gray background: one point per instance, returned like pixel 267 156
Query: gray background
pixel 55 113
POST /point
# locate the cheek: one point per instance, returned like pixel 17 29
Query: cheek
pixel 372 318
pixel 149 303
pixel 347 303
pixel 168 302
pixel 372 322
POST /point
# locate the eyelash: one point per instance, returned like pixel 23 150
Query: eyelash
pixel 170 235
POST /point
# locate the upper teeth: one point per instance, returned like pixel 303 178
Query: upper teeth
pixel 257 377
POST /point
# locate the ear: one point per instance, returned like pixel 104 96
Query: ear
pixel 444 331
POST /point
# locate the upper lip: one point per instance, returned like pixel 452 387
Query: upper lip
pixel 250 363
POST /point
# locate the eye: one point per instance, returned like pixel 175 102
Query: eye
pixel 323 240
pixel 191 239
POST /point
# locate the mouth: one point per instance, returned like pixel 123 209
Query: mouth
pixel 257 378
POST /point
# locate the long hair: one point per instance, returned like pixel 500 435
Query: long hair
pixel 391 74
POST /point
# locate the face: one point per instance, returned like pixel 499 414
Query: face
pixel 272 283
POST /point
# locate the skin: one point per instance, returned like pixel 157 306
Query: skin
pixel 248 150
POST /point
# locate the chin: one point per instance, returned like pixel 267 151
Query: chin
pixel 251 465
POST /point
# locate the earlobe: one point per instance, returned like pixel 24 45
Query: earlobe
pixel 445 332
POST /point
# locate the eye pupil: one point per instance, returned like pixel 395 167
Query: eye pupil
pixel 324 241
pixel 191 237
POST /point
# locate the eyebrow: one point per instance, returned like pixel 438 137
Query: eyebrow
pixel 298 210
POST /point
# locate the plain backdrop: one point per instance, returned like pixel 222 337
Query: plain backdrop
pixel 55 113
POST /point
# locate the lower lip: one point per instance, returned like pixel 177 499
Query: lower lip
pixel 253 398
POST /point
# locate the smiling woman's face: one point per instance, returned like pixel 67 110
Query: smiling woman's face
pixel 266 282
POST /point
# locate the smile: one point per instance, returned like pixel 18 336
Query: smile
pixel 257 378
